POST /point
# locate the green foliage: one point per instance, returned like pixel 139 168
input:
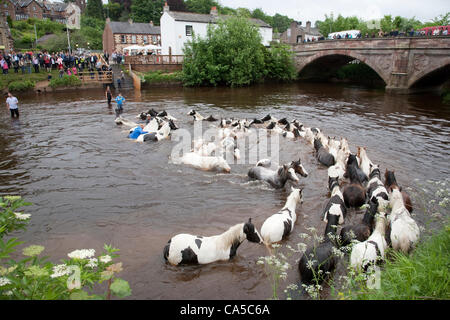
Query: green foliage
pixel 281 23
pixel 147 10
pixel 6 79
pixel 201 6
pixel 94 9
pixel 231 54
pixel 65 81
pixel 159 76
pixel 113 10
pixel 36 278
pixel 21 85
pixel 279 63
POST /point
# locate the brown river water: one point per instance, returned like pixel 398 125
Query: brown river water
pixel 90 185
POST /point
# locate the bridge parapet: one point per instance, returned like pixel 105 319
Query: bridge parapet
pixel 400 61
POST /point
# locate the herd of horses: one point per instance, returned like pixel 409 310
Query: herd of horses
pixel 354 182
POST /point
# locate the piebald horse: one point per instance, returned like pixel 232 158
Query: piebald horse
pixel 190 249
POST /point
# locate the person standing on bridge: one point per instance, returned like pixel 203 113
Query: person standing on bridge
pixel 11 104
pixel 120 100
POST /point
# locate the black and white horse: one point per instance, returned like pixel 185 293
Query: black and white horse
pixel 198 117
pixel 190 249
pixel 376 188
pixel 335 205
pixel 276 178
pixel 360 231
pixel 279 225
pixel 319 260
pixel 322 154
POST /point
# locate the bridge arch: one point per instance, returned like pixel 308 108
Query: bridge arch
pixel 435 74
pixel 332 60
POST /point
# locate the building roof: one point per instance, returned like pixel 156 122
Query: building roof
pixel 134 28
pixel 56 6
pixel 209 18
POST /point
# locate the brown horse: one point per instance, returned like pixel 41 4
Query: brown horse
pixel 390 182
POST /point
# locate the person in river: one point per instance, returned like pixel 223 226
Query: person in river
pixel 120 100
pixel 137 132
pixel 11 104
pixel 108 95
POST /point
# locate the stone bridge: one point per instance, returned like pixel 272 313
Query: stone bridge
pixel 405 64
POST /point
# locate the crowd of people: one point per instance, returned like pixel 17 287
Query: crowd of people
pixel 382 34
pixel 66 63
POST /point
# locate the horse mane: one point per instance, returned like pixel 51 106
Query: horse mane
pixel 230 236
pixel 353 174
pixel 317 144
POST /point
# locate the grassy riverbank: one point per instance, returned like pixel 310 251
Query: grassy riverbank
pixel 13 80
pixel 423 275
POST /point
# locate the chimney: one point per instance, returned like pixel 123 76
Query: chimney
pixel 151 23
pixel 213 11
pixel 166 7
pixel 130 21
pixel 308 26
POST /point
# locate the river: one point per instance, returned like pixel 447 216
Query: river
pixel 90 185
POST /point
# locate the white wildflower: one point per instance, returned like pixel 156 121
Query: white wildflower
pixel 4 281
pixel 302 247
pixel 60 270
pixel 22 216
pixel 304 235
pixel 82 254
pixel 105 259
pixel 93 263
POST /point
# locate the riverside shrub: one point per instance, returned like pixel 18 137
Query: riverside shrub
pixel 231 54
pixel 65 81
pixel 21 85
pixel 33 277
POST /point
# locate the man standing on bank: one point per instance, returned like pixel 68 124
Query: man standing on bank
pixel 11 103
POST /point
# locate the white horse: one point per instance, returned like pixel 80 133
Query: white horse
pixel 119 120
pixel 368 254
pixel 279 225
pixel 189 249
pixel 404 230
pixel 276 178
pixel 364 161
pixel 152 126
pixel 208 163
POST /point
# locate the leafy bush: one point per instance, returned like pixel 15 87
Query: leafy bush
pixel 65 81
pixel 21 85
pixel 231 54
pixel 36 278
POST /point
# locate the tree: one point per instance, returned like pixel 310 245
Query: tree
pixel 94 9
pixel 176 5
pixel 126 4
pixel 147 10
pixel 113 10
pixel 201 6
pixel 231 54
pixel 281 23
pixel 259 14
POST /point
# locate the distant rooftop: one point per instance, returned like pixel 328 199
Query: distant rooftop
pixel 134 28
pixel 209 18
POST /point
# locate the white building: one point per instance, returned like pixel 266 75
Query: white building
pixel 177 28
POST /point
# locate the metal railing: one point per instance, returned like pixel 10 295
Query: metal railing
pixel 154 59
pixel 94 76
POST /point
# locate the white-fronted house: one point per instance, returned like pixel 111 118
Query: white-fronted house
pixel 177 28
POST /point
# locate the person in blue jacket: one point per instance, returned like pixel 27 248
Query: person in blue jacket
pixel 120 100
pixel 137 132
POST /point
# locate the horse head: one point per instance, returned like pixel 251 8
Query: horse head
pixel 251 233
pixel 317 144
pixel 192 112
pixel 374 171
pixel 298 168
pixel 390 182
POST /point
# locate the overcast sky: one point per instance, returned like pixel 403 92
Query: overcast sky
pixel 423 10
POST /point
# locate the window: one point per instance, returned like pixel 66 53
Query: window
pixel 145 39
pixel 123 38
pixel 188 31
pixel 133 39
pixel 34 8
pixel 154 39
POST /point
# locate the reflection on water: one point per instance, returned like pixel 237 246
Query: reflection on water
pixel 90 185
